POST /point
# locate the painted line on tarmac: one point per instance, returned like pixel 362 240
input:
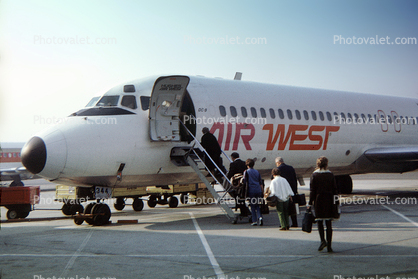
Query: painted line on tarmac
pixel 76 254
pixel 401 215
pixel 213 261
pixel 202 256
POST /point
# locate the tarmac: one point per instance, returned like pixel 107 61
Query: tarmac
pixel 376 237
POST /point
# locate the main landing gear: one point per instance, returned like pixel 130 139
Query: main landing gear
pixel 96 214
pixel 137 204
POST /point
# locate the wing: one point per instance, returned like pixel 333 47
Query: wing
pixel 10 174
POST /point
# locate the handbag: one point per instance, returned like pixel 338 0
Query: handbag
pixel 300 199
pixel 271 201
pixel 264 208
pixel 308 220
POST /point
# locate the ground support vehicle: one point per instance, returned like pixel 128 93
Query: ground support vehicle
pixel 166 194
pixel 19 200
pixel 72 198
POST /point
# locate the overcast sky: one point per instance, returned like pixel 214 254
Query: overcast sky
pixel 56 55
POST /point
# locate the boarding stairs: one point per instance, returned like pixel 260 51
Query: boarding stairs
pixel 217 182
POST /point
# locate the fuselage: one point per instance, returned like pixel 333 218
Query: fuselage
pixel 136 125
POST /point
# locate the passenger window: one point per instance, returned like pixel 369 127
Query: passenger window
pixel 253 112
pixel 244 112
pixel 108 101
pixel 356 117
pixel 321 116
pixel 363 116
pixel 314 115
pixel 289 114
pixel 349 116
pixel 329 116
pixel 129 102
pixel 281 114
pixel 263 113
pixel 298 117
pixel 222 110
pixel 342 116
pixel 272 113
pixel 306 115
pixel 233 111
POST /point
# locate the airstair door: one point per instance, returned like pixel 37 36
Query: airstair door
pixel 165 107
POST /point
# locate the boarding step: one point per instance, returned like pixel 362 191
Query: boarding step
pixel 178 155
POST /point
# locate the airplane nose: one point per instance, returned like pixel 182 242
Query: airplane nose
pixel 33 155
pixel 46 154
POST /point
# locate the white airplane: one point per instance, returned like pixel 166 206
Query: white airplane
pixel 131 136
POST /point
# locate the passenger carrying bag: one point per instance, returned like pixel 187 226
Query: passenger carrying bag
pixel 308 220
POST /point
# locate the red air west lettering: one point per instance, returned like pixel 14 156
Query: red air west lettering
pixel 297 133
pixel 317 135
pixel 243 131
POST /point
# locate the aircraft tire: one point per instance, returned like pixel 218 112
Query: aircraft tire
pixel 87 210
pixel 173 202
pixel 66 209
pixel 138 204
pixel 104 211
pixel 119 204
pixel 78 221
pixel 152 201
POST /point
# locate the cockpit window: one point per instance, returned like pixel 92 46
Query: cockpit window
pixel 129 102
pixel 145 102
pixel 92 102
pixel 108 101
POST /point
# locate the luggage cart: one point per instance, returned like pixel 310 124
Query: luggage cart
pixel 19 200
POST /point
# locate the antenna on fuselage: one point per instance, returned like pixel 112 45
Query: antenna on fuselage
pixel 238 76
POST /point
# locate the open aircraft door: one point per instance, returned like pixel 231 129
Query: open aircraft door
pixel 165 109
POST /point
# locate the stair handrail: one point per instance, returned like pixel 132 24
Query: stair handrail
pixel 204 150
pixel 190 133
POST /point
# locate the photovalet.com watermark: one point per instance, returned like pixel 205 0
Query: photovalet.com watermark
pixel 376 40
pixel 225 277
pixel 71 277
pixel 371 277
pixel 74 40
pixel 376 200
pixel 374 121
pixel 224 120
pixel 224 40
pixel 39 119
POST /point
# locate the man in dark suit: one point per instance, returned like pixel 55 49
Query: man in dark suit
pixel 288 172
pixel 237 166
pixel 211 145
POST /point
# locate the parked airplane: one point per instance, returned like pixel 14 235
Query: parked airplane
pixel 131 135
pixel 11 168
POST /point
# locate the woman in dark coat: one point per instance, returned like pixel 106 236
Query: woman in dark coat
pixel 324 198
